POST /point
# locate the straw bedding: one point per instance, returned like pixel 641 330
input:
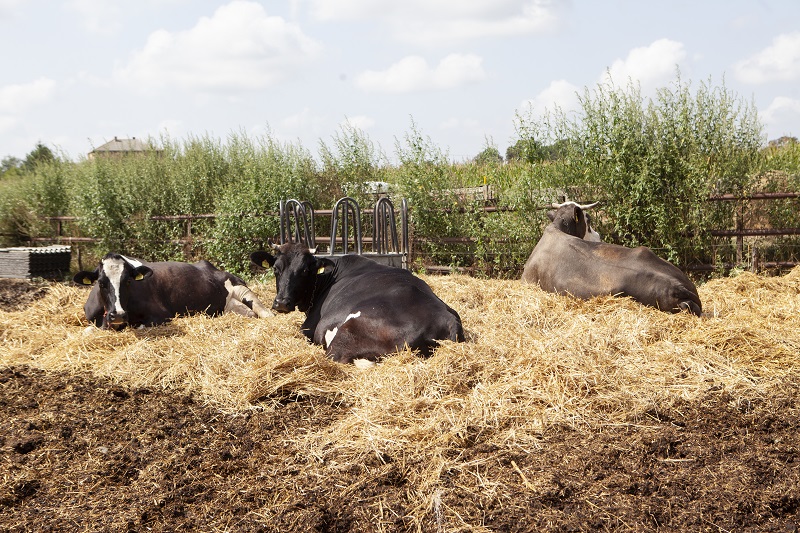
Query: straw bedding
pixel 555 414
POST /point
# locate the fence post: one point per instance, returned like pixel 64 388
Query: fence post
pixel 739 236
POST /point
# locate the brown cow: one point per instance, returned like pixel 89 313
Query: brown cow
pixel 564 261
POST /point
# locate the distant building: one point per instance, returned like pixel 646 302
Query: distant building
pixel 122 147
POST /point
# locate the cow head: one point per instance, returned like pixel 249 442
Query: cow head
pixel 296 271
pixel 572 219
pixel 114 276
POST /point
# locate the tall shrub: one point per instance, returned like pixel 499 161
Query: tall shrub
pixel 349 164
pixel 262 172
pixel 425 180
pixel 654 161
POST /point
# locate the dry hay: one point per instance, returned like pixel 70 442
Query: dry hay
pixel 533 360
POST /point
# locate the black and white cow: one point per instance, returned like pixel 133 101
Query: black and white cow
pixel 357 309
pixel 130 292
pixel 564 261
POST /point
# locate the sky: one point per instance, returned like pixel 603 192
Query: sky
pixel 77 73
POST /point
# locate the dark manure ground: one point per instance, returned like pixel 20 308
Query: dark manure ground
pixel 83 451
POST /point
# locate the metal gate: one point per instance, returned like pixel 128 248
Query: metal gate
pixel 387 245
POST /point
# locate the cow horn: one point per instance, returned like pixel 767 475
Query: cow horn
pixel 584 207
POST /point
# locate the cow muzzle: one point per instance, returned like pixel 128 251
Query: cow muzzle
pixel 282 305
pixel 116 320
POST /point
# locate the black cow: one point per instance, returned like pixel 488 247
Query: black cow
pixel 134 293
pixel 565 262
pixel 356 308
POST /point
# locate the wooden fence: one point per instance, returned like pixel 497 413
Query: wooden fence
pixel 745 239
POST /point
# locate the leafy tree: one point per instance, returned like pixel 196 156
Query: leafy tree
pixel 488 155
pixel 781 142
pixel 40 154
pixel 10 166
pixel 531 151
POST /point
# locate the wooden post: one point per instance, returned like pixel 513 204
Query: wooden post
pixel 739 237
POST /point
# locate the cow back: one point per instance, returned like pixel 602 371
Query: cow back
pixel 565 264
pixel 371 309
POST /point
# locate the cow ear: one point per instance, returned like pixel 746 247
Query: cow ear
pixel 324 266
pixel 551 215
pixel 580 222
pixel 262 259
pixel 142 272
pixel 84 278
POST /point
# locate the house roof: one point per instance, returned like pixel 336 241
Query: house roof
pixel 123 145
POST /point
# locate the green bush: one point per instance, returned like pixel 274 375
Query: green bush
pixel 651 162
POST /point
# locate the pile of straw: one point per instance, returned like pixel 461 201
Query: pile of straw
pixel 532 360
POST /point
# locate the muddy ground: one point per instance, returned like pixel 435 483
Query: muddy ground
pixel 78 453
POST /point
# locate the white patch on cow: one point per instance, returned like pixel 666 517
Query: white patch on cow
pixel 331 333
pixel 114 269
pixel 364 364
pixel 329 336
pixel 229 288
pixel 133 262
pixel 353 315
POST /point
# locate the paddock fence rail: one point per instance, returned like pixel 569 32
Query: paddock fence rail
pixel 751 244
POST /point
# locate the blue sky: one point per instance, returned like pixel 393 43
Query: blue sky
pixel 77 73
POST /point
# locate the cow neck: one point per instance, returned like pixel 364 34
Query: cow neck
pixel 322 285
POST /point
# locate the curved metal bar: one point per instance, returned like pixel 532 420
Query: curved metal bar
pixel 384 228
pixel 348 206
pixel 404 227
pixel 300 212
pixel 311 238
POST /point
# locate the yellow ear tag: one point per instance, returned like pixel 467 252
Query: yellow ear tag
pixel 139 277
pixel 264 263
pixel 321 270
pixel 576 218
pixel 87 281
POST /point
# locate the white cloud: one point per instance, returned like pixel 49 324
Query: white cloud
pixel 446 21
pixel 560 93
pixel 103 17
pixel 17 98
pixel 239 47
pixel 7 7
pixel 413 73
pixel 781 110
pixel 779 62
pixel 651 66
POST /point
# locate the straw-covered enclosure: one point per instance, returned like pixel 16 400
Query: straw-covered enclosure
pixel 556 414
